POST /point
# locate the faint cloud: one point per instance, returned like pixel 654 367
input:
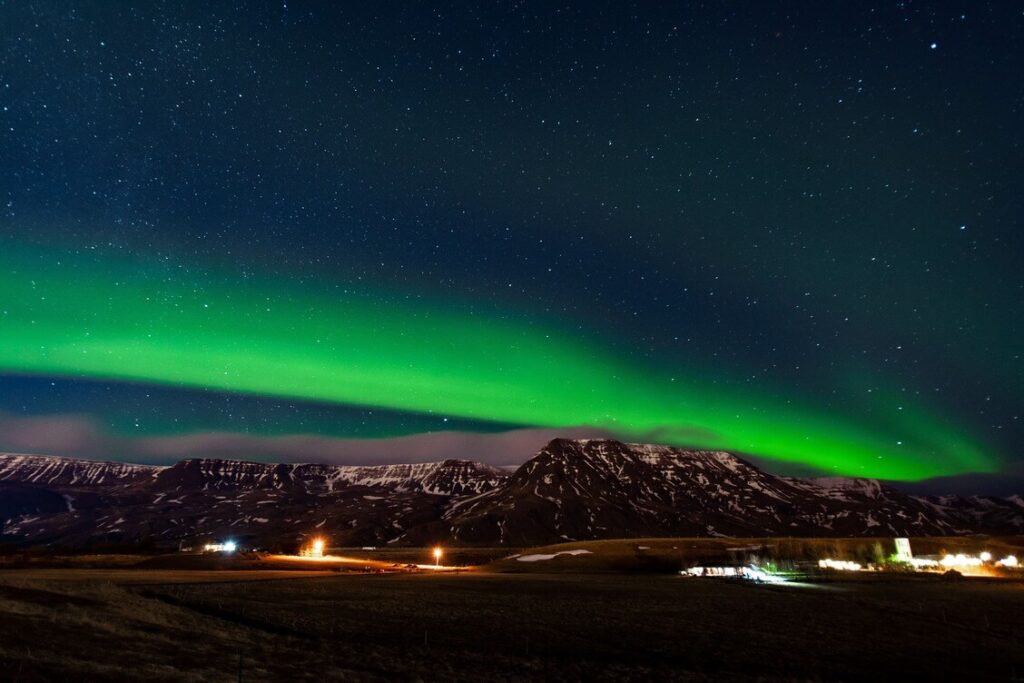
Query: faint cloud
pixel 81 437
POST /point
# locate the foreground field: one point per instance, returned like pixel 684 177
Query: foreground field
pixel 495 626
pixel 669 555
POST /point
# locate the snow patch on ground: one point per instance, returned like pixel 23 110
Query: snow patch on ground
pixel 538 558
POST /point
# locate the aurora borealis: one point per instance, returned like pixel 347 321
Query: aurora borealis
pixel 775 234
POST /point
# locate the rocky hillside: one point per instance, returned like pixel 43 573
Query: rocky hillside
pixel 78 503
pixel 570 490
pixel 607 489
pixel 447 478
pixel 53 471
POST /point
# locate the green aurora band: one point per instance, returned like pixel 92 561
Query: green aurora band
pixel 112 318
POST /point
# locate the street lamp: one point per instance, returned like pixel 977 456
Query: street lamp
pixel 437 556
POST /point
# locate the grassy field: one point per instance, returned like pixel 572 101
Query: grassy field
pixel 457 556
pixel 506 627
pixel 668 555
pixel 657 555
pixel 597 616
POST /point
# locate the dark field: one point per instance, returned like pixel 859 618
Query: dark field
pixel 493 626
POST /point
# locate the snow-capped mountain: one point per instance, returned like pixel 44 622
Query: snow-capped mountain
pixel 54 471
pixel 75 502
pixel 607 489
pixel 447 478
pixel 570 490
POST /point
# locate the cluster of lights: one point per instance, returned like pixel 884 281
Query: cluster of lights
pixel 714 571
pixel 920 562
pixel 751 573
pixel 841 565
pixel 961 560
pixel 226 547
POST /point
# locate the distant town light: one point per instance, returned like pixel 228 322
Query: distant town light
pixel 751 573
pixel 226 547
pixel 842 565
pixel 314 549
pixel 1008 561
pixel 437 556
pixel 919 562
pixel 960 560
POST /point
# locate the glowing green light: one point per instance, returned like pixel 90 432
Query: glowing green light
pixel 116 319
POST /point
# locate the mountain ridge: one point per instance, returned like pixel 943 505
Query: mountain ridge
pixel 570 490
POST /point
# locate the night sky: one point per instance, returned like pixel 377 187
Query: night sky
pixel 788 229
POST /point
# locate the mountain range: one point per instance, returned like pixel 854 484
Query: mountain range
pixel 570 490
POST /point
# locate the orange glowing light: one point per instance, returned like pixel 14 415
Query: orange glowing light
pixel 437 556
pixel 314 549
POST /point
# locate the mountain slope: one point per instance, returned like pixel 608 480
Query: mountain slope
pixel 571 490
pixel 607 489
pixel 78 503
pixel 54 471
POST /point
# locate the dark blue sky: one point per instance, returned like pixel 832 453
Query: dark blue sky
pixel 817 201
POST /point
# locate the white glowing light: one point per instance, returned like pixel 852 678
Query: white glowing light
pixel 919 562
pixel 226 547
pixel 713 571
pixel 842 565
pixel 754 573
pixel 960 560
pixel 751 573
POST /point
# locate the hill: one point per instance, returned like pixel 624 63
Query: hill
pixel 571 490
